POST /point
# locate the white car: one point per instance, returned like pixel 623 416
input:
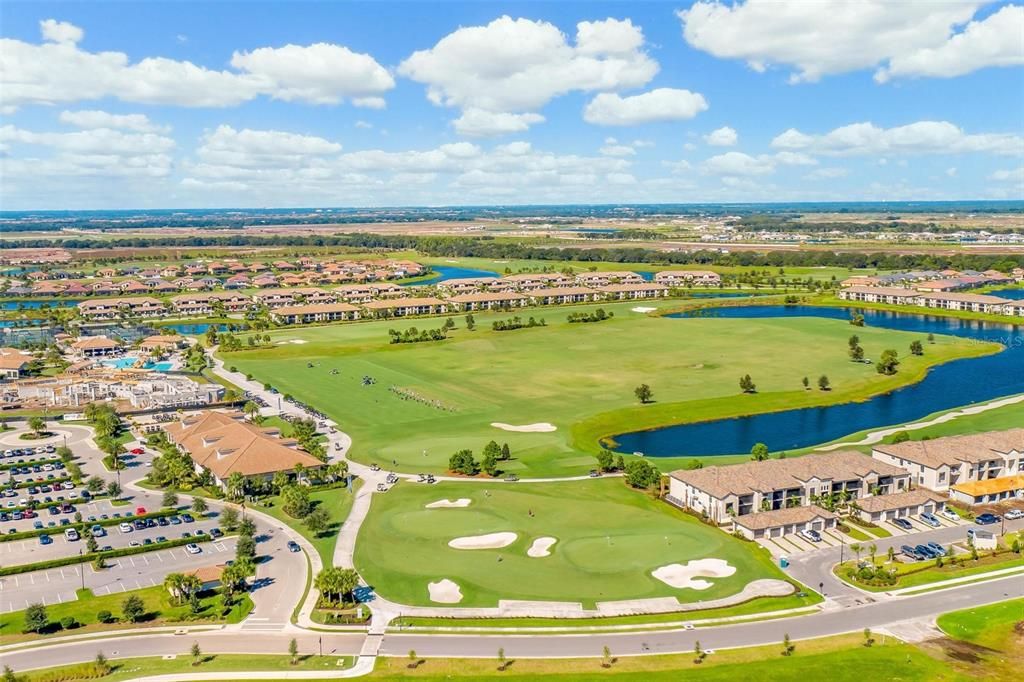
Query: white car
pixel 125 528
pixel 192 548
pixel 810 535
pixel 1014 514
pixel 950 514
pixel 67 485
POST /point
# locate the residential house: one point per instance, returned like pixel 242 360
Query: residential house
pixel 601 279
pixel 724 492
pixel 688 278
pixel 316 312
pixel 488 300
pixel 13 362
pixel 564 294
pixel 899 505
pixel 942 463
pixel 114 308
pixel 404 307
pixel 634 291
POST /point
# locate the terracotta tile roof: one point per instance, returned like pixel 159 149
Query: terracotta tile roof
pixel 485 296
pixel 12 358
pixel 224 443
pixel 907 498
pixel 315 308
pixel 628 286
pixel 952 450
pixel 782 517
pixel 91 342
pixel 405 303
pixel 780 474
pixel 563 291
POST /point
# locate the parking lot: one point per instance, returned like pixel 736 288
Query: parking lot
pixel 793 544
pixel 58 585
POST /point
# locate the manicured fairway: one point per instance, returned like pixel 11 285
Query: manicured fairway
pixel 610 538
pixel 579 377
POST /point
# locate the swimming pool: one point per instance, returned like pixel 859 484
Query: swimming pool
pixel 129 363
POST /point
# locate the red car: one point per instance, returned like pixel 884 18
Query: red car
pixel 138 451
pixel 140 511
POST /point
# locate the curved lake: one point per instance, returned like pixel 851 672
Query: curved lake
pixel 446 272
pixel 950 385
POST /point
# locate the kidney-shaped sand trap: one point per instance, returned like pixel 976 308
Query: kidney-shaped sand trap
pixel 444 591
pixel 539 427
pixel 687 575
pixel 448 504
pixel 541 547
pixel 489 541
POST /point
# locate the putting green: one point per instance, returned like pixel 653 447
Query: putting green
pixel 578 377
pixel 610 538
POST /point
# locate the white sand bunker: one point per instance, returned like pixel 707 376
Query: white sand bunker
pixel 643 309
pixel 541 547
pixel 285 343
pixel 539 427
pixel 444 592
pixel 489 541
pixel 447 504
pixel 686 575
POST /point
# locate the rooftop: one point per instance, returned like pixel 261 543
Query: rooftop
pixel 782 517
pixel 780 474
pixel 952 450
pixel 907 498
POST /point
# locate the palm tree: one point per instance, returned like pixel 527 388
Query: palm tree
pixel 872 550
pixel 236 485
pixel 857 549
pixel 174 584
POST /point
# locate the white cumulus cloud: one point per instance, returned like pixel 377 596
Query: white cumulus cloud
pixel 921 137
pixel 722 137
pixel 516 66
pixel 737 163
pixel 59 70
pixel 482 123
pixel 660 104
pixel 824 37
pixel 93 119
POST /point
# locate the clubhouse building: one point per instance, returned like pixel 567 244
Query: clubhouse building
pixel 223 443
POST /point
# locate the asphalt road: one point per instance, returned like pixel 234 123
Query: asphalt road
pixel 832 622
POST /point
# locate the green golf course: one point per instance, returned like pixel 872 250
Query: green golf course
pixel 609 539
pixel 428 400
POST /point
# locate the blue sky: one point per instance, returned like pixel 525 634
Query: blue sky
pixel 112 104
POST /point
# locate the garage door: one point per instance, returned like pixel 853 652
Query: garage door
pixel 816 525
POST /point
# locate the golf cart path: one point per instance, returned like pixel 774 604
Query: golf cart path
pixel 877 436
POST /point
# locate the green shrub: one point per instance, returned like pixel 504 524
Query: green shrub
pixel 68 623
pixel 104 617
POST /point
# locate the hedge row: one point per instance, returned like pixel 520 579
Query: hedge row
pixel 35 532
pixel 30 463
pixel 50 481
pixel 90 557
pixel 43 505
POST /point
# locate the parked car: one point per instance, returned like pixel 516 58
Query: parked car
pixel 912 553
pixel 45 539
pixel 950 514
pixel 125 528
pixel 187 518
pixel 192 548
pixel 927 551
pixel 1014 514
pixel 986 519
pixel 938 549
pixel 903 524
pixel 161 538
pixel 71 534
pixel 98 531
pixel 810 535
pixel 139 511
pixel 930 519
pixel 216 533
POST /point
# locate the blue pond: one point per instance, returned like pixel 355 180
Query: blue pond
pixel 1012 294
pixel 32 304
pixel 947 386
pixel 446 272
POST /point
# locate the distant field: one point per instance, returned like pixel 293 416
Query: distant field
pixel 578 377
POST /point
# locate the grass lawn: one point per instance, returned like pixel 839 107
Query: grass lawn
pixel 610 538
pixel 998 419
pixel 579 377
pixel 159 611
pixel 752 607
pixel 337 502
pixel 133 668
pixel 910 575
pixel 838 659
pixel 991 626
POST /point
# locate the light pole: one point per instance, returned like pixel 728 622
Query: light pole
pixel 81 567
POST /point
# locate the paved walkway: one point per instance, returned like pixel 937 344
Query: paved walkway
pixel 877 436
